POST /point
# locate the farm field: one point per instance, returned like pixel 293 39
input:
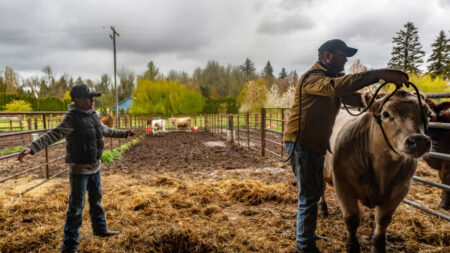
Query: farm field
pixel 193 192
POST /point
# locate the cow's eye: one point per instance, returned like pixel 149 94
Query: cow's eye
pixel 386 115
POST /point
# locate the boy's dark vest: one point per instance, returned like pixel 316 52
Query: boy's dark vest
pixel 85 143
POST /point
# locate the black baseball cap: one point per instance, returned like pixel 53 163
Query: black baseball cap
pixel 336 44
pixel 83 91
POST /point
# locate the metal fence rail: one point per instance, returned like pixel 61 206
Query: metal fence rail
pixel 41 125
pixel 261 130
pixel 438 95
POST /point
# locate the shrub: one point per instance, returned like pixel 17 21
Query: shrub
pixel 18 106
pixel 165 97
pixel 216 105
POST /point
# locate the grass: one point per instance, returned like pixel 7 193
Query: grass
pixel 7 151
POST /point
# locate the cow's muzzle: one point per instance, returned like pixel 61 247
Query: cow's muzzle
pixel 417 145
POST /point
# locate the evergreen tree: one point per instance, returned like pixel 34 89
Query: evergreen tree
pixel 2 83
pixel 407 53
pixel 283 73
pixel 248 68
pixel 440 58
pixel 78 81
pixel 44 90
pixel 11 80
pixel 295 77
pixel 268 73
pixel 151 73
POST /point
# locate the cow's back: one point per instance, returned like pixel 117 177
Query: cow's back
pixel 348 142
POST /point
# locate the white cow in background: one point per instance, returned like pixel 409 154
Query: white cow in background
pixel 158 126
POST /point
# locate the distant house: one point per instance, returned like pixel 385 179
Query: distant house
pixel 124 105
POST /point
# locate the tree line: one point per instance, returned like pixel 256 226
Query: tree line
pixel 224 88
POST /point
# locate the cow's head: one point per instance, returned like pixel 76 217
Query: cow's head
pixel 442 110
pixel 172 121
pixel 402 121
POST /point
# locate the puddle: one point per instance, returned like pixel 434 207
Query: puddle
pixel 215 144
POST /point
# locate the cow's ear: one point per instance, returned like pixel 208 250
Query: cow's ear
pixel 430 103
pixel 444 106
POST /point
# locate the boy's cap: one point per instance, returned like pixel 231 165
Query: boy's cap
pixel 83 91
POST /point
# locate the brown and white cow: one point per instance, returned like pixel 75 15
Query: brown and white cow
pixel 158 127
pixel 364 168
pixel 181 122
pixel 441 143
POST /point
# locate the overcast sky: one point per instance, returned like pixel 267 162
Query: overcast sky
pixel 73 36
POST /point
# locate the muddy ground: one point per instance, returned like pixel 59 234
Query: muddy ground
pixel 193 192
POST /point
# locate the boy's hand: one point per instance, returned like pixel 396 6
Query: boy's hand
pixel 131 133
pixel 23 153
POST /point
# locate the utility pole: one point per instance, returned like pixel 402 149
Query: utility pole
pixel 113 37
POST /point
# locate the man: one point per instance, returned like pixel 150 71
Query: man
pixel 320 92
pixel 83 132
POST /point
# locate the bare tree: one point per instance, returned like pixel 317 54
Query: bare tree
pixel 357 67
pixel 49 72
pixel 33 83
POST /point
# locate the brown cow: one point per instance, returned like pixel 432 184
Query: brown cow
pixel 363 167
pixel 181 122
pixel 107 120
pixel 441 140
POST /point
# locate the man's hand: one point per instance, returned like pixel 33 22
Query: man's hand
pixel 397 77
pixel 131 133
pixel 23 153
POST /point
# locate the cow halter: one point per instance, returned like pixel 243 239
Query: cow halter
pixel 378 115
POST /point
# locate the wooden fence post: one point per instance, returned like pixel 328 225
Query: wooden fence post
pixel 238 128
pixel 231 127
pixel 247 125
pixel 29 128
pixel 263 131
pixel 282 131
pixel 47 173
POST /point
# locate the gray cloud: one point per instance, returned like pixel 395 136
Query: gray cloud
pixel 183 35
pixel 284 25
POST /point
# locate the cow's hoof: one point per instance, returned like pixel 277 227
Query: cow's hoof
pixel 353 246
pixel 378 244
pixel 444 205
pixel 323 210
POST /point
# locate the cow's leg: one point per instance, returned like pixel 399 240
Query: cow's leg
pixel 383 215
pixel 444 175
pixel 349 206
pixel 351 219
pixel 323 207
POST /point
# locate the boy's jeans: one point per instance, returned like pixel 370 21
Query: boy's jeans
pixel 78 186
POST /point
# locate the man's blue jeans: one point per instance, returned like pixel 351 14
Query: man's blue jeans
pixel 308 170
pixel 78 186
